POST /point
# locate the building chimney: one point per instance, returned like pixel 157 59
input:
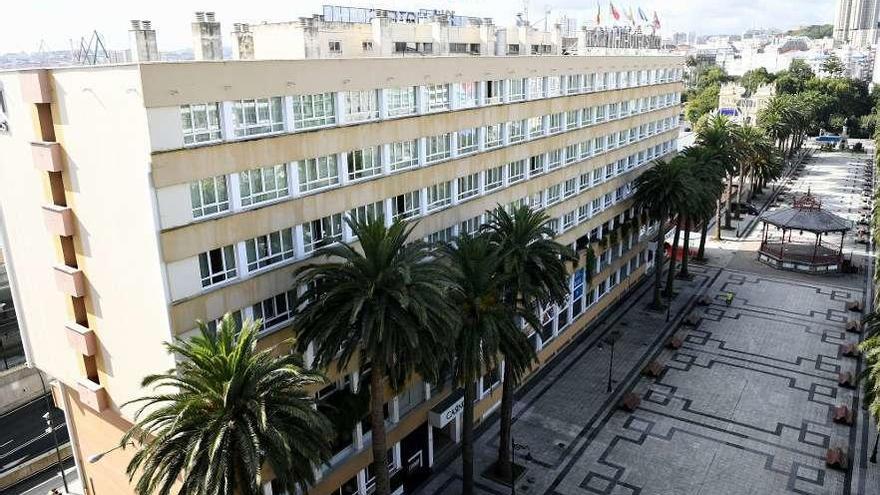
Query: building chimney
pixel 207 39
pixel 242 42
pixel 142 38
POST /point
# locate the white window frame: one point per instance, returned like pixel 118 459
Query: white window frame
pixel 223 273
pixel 270 123
pixel 256 180
pixel 207 129
pixel 265 254
pixel 321 232
pixel 439 196
pixel 363 163
pixel 316 174
pixel 216 186
pixel 313 110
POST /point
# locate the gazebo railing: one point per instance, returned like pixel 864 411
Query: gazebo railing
pixel 822 253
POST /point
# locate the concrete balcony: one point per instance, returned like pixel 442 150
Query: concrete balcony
pixel 82 339
pixel 35 86
pixel 59 220
pixel 92 394
pixel 70 281
pixel 47 156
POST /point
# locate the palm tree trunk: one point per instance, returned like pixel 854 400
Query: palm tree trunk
pixel 670 277
pixel 701 253
pixel 739 193
pixel 657 303
pixel 687 246
pixel 727 224
pixel 503 466
pixel 467 439
pixel 718 221
pixel 377 424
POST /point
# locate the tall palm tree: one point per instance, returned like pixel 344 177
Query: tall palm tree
pixel 703 168
pixel 658 191
pixel 681 210
pixel 719 134
pixel 708 173
pixel 223 413
pixel 488 324
pixel 384 303
pixel 870 378
pixel 534 269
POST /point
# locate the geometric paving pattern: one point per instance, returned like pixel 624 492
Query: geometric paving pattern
pixel 743 407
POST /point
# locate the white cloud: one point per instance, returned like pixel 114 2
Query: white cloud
pixel 25 23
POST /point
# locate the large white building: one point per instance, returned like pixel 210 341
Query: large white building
pixel 138 198
pixel 856 23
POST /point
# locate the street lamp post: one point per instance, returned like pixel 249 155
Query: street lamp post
pixel 610 340
pixel 514 447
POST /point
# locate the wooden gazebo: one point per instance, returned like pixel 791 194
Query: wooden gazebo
pixel 802 246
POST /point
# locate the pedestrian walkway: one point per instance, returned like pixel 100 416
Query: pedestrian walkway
pixel 559 409
pixel 746 405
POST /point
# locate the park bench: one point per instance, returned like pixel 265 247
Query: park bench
pixel 845 380
pixel 692 319
pixel 704 300
pixel 674 343
pixel 854 326
pixel 653 369
pixel 851 350
pixel 843 415
pixel 630 402
pixel 855 305
pixel 836 458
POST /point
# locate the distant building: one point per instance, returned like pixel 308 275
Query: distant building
pixel 735 102
pixel 856 23
pixel 680 38
pixel 620 37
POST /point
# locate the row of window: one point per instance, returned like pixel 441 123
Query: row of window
pixel 218 266
pixel 203 123
pixel 212 195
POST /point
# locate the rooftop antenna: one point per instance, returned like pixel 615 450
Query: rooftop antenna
pixel 91 52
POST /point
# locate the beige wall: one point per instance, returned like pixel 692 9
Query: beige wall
pixel 101 124
pixel 31 251
pixel 173 84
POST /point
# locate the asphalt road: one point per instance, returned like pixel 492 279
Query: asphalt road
pixel 23 433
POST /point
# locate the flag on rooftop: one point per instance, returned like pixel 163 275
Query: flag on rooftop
pixel 614 12
pixel 598 13
pixel 656 21
pixel 629 15
pixel 642 15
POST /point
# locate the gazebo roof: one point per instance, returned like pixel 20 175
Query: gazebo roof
pixel 810 219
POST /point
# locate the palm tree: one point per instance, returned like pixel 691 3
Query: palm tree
pixel 702 167
pixel 488 325
pixel 384 303
pixel 708 173
pixel 658 192
pixel 534 269
pixel 223 413
pixel 719 135
pixel 681 210
pixel 870 378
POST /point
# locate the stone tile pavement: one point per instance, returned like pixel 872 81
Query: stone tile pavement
pixel 743 407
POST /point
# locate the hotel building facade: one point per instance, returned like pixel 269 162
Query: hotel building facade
pixel 139 198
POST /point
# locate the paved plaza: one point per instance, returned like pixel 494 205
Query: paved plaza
pixel 744 406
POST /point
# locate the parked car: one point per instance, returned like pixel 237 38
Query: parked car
pixel 747 208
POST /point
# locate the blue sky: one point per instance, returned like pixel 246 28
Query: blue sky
pixel 26 22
